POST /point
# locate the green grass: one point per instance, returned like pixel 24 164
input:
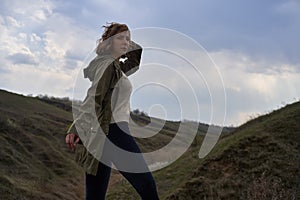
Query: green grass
pixel 265 150
pixel 35 162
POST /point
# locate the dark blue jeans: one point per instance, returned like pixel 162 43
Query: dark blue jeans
pixel 143 183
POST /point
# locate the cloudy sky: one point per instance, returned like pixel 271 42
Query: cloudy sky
pixel 253 47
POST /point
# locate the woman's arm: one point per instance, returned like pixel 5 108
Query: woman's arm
pixel 132 63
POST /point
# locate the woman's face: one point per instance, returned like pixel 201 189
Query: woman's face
pixel 120 43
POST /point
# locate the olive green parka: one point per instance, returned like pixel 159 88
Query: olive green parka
pixel 93 116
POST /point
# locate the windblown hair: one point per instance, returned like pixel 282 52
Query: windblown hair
pixel 104 44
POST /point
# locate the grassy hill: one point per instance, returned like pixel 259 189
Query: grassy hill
pixel 258 158
pixel 35 163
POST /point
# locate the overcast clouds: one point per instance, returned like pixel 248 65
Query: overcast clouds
pixel 255 45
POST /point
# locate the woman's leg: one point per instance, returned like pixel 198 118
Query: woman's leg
pixel 96 186
pixel 143 183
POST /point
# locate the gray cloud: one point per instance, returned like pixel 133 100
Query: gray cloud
pixel 70 64
pixel 75 55
pixel 259 28
pixel 3 70
pixel 22 58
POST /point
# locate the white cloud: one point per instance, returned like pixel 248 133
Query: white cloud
pixel 36 10
pixel 32 80
pixel 22 58
pixel 35 38
pixel 256 90
pixel 114 6
pixel 43 41
pixel 10 21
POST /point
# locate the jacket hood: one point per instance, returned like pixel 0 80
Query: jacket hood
pixel 90 71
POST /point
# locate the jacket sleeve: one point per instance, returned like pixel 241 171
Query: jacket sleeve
pixel 132 63
pixel 105 82
pixel 72 129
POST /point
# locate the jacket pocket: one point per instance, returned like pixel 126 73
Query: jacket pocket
pixel 80 154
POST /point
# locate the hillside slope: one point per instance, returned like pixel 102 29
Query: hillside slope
pixel 259 160
pixel 35 162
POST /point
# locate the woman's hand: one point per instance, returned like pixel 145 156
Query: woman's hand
pixel 72 140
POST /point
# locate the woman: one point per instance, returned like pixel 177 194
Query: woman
pixel 107 103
